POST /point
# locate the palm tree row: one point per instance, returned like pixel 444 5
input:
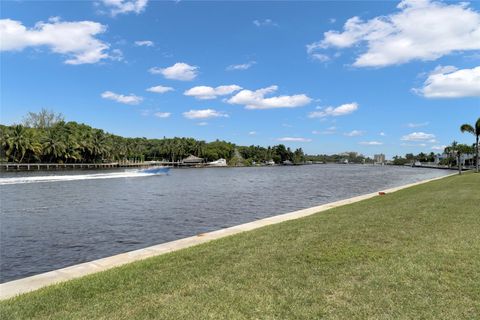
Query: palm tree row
pixel 71 142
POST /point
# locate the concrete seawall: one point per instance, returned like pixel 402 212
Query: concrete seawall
pixel 16 287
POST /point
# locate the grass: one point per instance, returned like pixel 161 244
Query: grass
pixel 413 254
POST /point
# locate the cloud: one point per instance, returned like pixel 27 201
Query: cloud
pixel 448 82
pixel 265 23
pixel 145 112
pixel 179 71
pixel 371 143
pixel 252 133
pixel 204 114
pixel 205 93
pixel 439 148
pixel 342 110
pixel 202 124
pixel 76 40
pixel 413 145
pixel 162 114
pixel 323 132
pixel 124 6
pixel 291 139
pixel 419 136
pixel 256 99
pixel 382 134
pixel 320 57
pixel 354 133
pixel 243 66
pixel 144 43
pixel 160 89
pixel 420 30
pixel 130 99
pixel 417 125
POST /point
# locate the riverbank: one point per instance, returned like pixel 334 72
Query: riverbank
pixel 408 254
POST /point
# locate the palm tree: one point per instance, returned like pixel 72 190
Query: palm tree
pixel 53 145
pixel 475 130
pixel 20 141
pixel 457 150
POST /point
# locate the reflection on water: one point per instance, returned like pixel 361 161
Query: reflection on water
pixel 46 226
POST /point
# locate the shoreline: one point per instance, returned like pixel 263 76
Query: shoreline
pixel 32 283
pixel 65 167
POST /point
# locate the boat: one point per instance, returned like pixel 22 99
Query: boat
pixel 218 163
pixel 155 170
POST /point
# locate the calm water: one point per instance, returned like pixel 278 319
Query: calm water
pixel 68 220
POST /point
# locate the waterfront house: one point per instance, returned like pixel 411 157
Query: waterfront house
pixel 465 159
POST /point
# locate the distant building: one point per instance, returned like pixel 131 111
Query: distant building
pixel 465 159
pixel 379 158
pixel 192 160
pixel 439 157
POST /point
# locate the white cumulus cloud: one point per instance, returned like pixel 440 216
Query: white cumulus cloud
pixel 419 136
pixel 294 139
pixel 257 100
pixel 439 148
pixel 354 133
pixel 160 89
pixel 265 23
pixel 76 40
pixel 162 114
pixel 420 30
pixel 448 82
pixel 144 43
pixel 371 143
pixel 417 125
pixel 204 114
pixel 243 66
pixel 341 110
pixel 205 92
pixel 179 71
pixel 126 99
pixel 124 6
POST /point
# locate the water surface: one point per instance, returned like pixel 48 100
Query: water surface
pixel 56 221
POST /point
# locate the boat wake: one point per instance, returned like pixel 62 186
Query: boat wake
pixel 59 178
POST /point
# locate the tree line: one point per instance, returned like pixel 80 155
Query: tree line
pixel 45 137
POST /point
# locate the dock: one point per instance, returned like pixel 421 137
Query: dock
pixel 80 166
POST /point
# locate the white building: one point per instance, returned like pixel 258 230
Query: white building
pixel 379 158
pixel 465 159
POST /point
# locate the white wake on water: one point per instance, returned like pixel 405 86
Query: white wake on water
pixel 58 178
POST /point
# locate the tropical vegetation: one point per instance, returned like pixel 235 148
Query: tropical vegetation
pixel 45 137
pixel 475 130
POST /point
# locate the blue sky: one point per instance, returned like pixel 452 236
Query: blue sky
pixel 391 77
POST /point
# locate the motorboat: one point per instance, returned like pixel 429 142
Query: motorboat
pixel 155 170
pixel 218 163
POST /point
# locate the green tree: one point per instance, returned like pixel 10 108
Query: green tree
pixel 18 142
pixel 53 145
pixel 457 150
pixel 43 119
pixel 475 130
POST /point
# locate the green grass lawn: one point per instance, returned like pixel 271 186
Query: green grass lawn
pixel 413 254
